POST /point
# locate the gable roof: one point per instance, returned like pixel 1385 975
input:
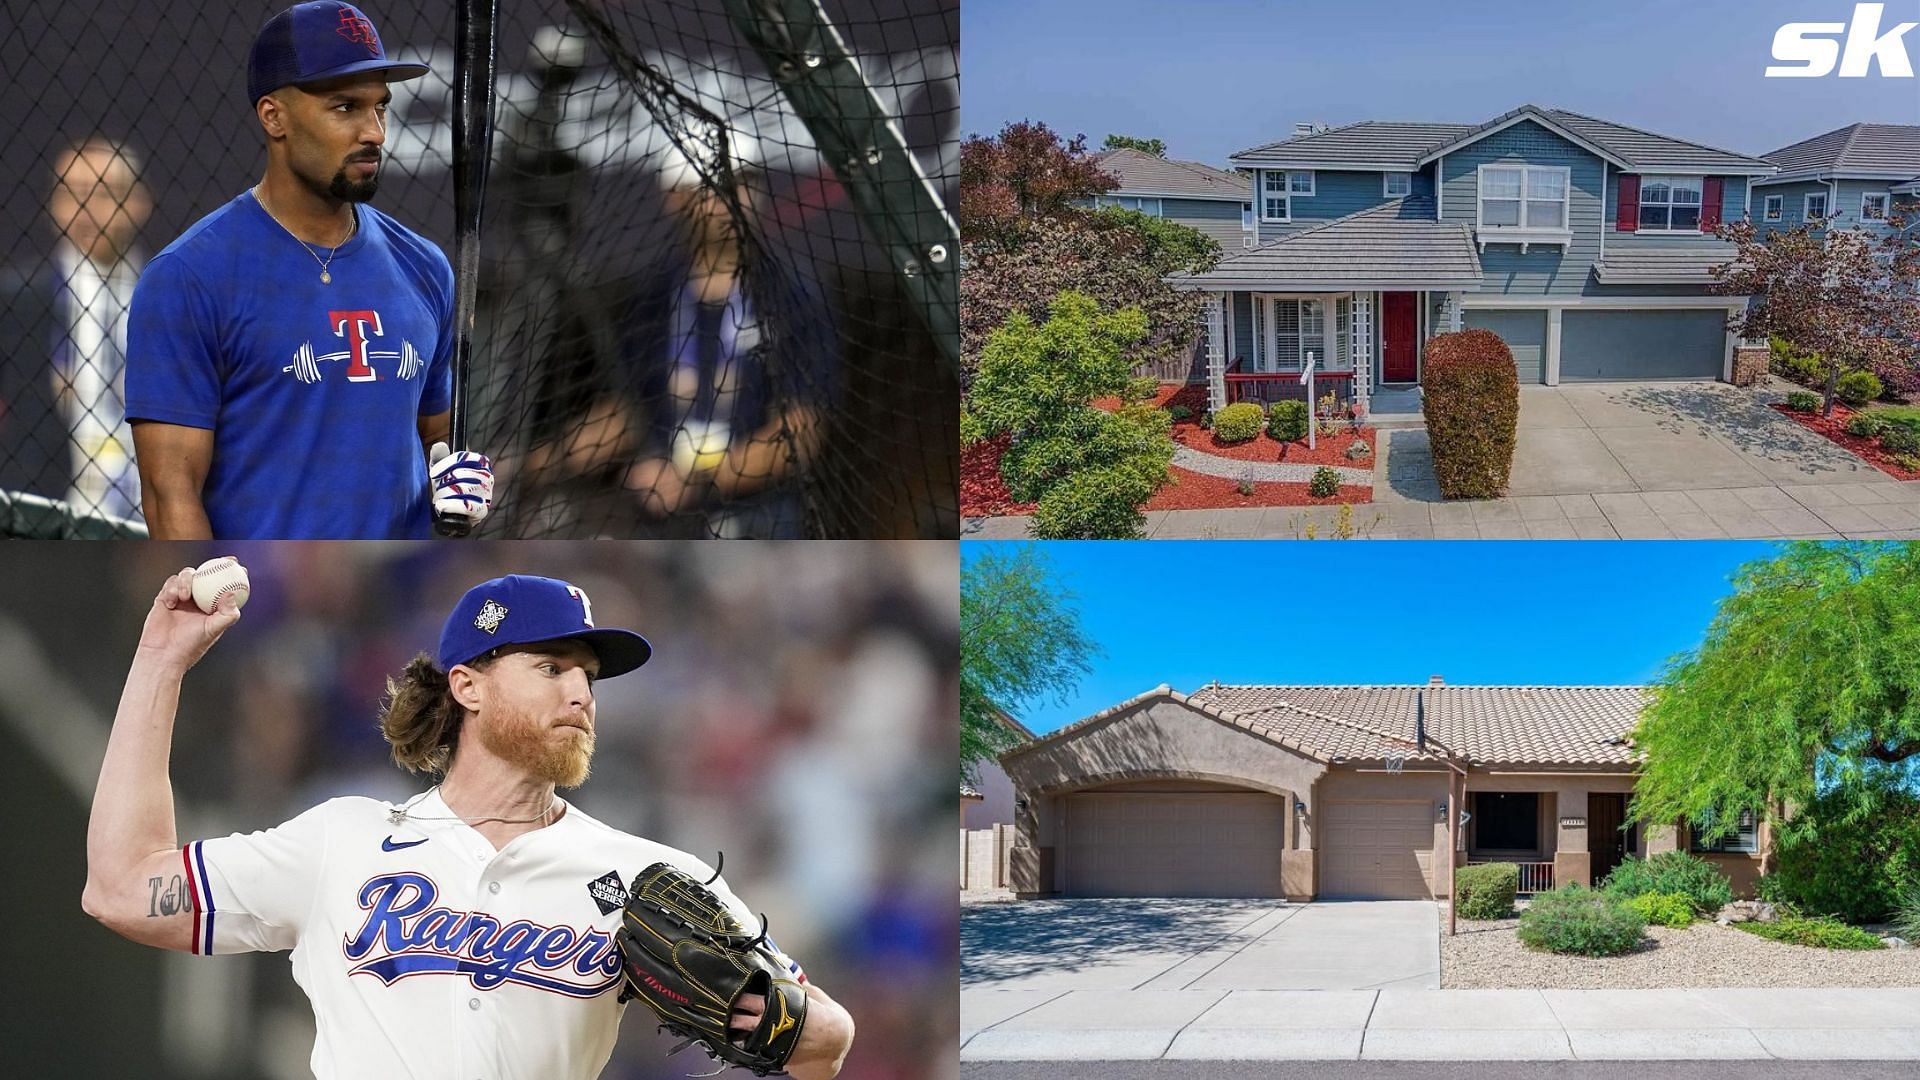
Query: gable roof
pixel 1403 146
pixel 1863 151
pixel 1141 173
pixel 1396 245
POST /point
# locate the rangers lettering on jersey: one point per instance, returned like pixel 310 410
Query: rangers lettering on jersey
pixel 405 934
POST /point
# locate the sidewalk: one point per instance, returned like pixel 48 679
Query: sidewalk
pixel 1393 1024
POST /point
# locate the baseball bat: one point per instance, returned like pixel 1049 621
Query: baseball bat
pixel 474 51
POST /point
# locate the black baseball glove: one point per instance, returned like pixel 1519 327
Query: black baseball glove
pixel 690 959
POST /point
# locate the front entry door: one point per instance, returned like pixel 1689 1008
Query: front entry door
pixel 1399 360
pixel 1605 841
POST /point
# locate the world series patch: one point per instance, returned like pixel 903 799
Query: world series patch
pixel 608 892
pixel 492 613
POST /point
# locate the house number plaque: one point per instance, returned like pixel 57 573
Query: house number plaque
pixel 1573 823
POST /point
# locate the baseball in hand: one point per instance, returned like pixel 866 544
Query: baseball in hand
pixel 217 578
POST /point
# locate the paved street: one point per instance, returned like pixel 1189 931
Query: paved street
pixel 1442 1070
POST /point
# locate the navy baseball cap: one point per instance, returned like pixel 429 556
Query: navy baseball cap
pixel 319 40
pixel 521 609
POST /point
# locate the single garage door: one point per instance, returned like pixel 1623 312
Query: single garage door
pixel 1174 844
pixel 1525 332
pixel 1642 345
pixel 1373 848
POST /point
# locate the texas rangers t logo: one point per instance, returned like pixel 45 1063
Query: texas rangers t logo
pixel 358 30
pixel 352 325
pixel 586 605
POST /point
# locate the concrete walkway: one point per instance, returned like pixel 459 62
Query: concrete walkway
pixel 1409 1024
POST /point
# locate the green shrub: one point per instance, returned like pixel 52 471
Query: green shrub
pixel 1237 422
pixel 1856 388
pixel 1287 420
pixel 1853 865
pixel 1671 873
pixel 1820 933
pixel 1325 483
pixel 1803 401
pixel 1807 369
pixel 1900 440
pixel 1866 425
pixel 1662 909
pixel 1471 401
pixel 1141 388
pixel 1101 503
pixel 1486 891
pixel 1906 917
pixel 1909 462
pixel 1180 412
pixel 1575 919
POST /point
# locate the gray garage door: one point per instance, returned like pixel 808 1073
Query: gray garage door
pixel 1173 844
pixel 1375 848
pixel 1642 345
pixel 1525 332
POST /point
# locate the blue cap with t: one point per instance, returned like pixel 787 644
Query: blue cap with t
pixel 320 40
pixel 521 609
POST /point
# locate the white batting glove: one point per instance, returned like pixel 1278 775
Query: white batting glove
pixel 462 483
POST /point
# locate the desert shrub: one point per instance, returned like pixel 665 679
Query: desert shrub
pixel 1820 933
pixel 1857 863
pixel 1325 483
pixel 1900 440
pixel 1662 909
pixel 1866 425
pixel 1857 387
pixel 1486 891
pixel 1472 407
pixel 1287 420
pixel 1671 873
pixel 1237 422
pixel 1906 917
pixel 1575 919
pixel 1803 401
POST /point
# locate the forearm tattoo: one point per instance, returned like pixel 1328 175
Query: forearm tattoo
pixel 168 897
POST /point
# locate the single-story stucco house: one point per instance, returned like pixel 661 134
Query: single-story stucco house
pixel 1317 792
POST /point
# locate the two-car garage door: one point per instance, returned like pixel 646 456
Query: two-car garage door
pixel 1225 843
pixel 1600 345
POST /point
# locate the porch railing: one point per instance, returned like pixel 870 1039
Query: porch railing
pixel 1267 387
pixel 1535 877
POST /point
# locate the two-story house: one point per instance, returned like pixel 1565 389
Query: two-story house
pixel 1214 201
pixel 1855 177
pixel 1587 245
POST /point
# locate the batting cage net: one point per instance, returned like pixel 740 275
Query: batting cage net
pixel 714 292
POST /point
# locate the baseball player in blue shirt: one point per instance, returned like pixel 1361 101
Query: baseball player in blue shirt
pixel 288 357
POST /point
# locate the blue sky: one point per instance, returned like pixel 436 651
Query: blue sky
pixel 1295 612
pixel 1215 76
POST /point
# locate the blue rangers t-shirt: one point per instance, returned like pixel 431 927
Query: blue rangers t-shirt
pixel 313 391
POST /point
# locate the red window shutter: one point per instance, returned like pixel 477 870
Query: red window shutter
pixel 1710 198
pixel 1627 219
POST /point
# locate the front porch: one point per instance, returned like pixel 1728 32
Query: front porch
pixel 1553 836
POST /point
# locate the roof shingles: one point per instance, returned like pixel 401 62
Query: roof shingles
pixel 1394 245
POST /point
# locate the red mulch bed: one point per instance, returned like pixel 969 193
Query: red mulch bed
pixel 1198 491
pixel 1330 449
pixel 1835 429
pixel 982 492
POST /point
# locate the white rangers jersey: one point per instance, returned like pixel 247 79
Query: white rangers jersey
pixel 426 952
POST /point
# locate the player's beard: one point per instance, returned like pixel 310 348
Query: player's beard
pixel 563 760
pixel 357 191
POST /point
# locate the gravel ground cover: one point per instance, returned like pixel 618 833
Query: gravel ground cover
pixel 1487 955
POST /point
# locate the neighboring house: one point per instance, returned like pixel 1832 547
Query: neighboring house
pixel 1314 792
pixel 1214 201
pixel 1856 175
pixel 991 801
pixel 1585 244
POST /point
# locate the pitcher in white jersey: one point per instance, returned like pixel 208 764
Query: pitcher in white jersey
pixel 466 933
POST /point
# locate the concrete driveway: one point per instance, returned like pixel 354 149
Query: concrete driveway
pixel 1655 460
pixel 1125 945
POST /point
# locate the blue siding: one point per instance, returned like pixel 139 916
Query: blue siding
pixel 1792 205
pixel 1731 209
pixel 1542 270
pixel 1219 220
pixel 1849 207
pixel 1337 194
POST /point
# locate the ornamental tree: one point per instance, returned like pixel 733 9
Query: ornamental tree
pixel 1850 296
pixel 1022 176
pixel 1808 682
pixel 1020 642
pixel 1156 147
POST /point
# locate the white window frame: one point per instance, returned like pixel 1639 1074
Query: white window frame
pixel 1773 207
pixel 1332 336
pixel 1292 175
pixel 1523 234
pixel 1806 205
pixel 1668 229
pixel 1886 205
pixel 1286 194
pixel 1386 185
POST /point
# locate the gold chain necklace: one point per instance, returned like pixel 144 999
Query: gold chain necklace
pixel 326 278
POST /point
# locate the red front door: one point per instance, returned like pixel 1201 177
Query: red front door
pixel 1399 338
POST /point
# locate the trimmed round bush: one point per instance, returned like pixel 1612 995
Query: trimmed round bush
pixel 1900 440
pixel 1575 919
pixel 1821 933
pixel 1180 412
pixel 1287 420
pixel 1471 400
pixel 1486 891
pixel 1094 504
pixel 1856 388
pixel 1671 873
pixel 1866 425
pixel 1325 483
pixel 1803 401
pixel 1662 909
pixel 1237 422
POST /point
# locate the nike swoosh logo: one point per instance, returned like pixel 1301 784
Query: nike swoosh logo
pixel 389 845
